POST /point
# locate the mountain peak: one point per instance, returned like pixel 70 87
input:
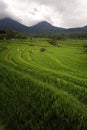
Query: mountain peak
pixel 11 24
pixel 40 28
pixel 43 24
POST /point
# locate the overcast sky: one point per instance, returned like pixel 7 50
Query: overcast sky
pixel 61 13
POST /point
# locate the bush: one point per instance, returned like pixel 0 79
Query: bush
pixel 53 41
pixel 85 47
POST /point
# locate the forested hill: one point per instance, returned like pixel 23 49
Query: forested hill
pixel 40 28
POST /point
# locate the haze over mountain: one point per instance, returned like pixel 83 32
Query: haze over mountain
pixel 40 28
pixel 64 13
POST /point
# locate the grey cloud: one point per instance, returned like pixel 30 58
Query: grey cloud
pixel 2 5
pixel 66 8
pixel 65 13
pixel 4 12
pixel 34 11
pixel 2 9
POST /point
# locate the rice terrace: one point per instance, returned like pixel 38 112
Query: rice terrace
pixel 43 87
pixel 43 65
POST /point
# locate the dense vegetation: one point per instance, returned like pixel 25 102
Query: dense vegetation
pixel 64 36
pixel 7 34
pixel 43 90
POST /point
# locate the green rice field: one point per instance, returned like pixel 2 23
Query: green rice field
pixel 43 90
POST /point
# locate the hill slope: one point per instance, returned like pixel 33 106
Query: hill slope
pixel 40 28
pixel 45 27
pixel 10 24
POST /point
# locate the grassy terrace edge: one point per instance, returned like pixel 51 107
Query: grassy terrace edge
pixel 43 91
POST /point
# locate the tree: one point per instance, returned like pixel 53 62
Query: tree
pixel 53 41
pixel 85 47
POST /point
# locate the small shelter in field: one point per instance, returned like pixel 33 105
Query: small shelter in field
pixel 43 50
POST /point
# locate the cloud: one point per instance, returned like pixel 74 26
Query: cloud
pixel 2 9
pixel 65 13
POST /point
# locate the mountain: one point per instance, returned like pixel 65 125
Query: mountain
pixel 76 30
pixel 10 24
pixel 40 28
pixel 45 27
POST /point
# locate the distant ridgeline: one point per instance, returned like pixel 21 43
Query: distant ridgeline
pixel 8 34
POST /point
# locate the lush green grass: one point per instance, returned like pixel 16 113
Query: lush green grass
pixel 43 91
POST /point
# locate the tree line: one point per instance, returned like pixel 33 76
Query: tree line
pixel 81 35
pixel 7 34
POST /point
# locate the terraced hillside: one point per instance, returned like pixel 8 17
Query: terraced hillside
pixel 43 90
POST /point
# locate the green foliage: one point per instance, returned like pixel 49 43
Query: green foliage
pixel 53 41
pixel 82 35
pixel 65 36
pixel 43 91
pixel 7 34
pixel 85 47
